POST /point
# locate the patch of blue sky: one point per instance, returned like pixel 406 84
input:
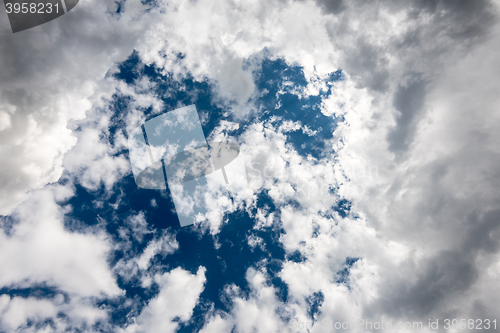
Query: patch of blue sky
pixel 314 303
pixel 281 85
pixel 343 274
pixel 150 3
pixel 38 291
pixel 225 265
pixel 41 325
pixel 228 263
pixel 343 207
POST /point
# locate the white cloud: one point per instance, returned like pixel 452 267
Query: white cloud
pixel 179 293
pixel 18 310
pixel 257 312
pixel 274 165
pixel 128 267
pixel 38 249
pixel 17 313
pixel 216 38
pixel 92 160
pixel 217 324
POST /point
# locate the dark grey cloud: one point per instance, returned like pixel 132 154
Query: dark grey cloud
pixel 368 65
pixel 331 6
pixel 461 20
pixel 482 234
pixel 409 101
pixel 444 276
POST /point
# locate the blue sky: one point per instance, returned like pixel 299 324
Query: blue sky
pixel 368 156
pixel 227 264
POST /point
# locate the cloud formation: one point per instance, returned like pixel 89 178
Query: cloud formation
pixel 414 152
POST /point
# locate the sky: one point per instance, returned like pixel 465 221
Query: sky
pixel 368 177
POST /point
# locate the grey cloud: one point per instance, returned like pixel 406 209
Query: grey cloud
pixel 378 56
pixel 331 6
pixel 436 28
pixel 409 101
pixel 439 278
pixel 442 202
pixel 48 76
pixel 461 19
pixel 482 234
pixel 442 277
pixel 465 19
pixel 368 65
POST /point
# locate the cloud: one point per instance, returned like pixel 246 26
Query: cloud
pixel 436 185
pixel 92 162
pixel 38 249
pixel 413 155
pixel 15 312
pixel 217 324
pixel 179 293
pixel 50 75
pixel 129 267
pixel 415 151
pixel 381 41
pixel 219 40
pixel 257 312
pixel 166 245
pixel 409 102
pixel 20 314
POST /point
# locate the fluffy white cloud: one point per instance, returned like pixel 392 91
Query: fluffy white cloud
pixel 219 40
pixel 17 311
pixel 129 267
pixel 217 324
pixel 256 312
pixel 38 249
pixel 259 311
pixel 179 293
